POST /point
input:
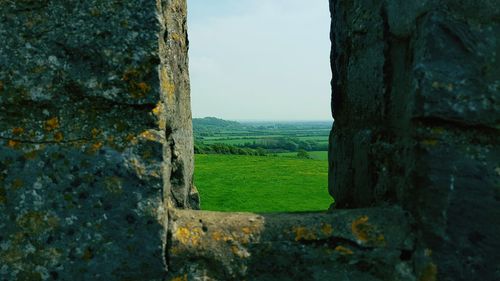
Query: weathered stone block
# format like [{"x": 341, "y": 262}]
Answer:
[
  {"x": 457, "y": 70},
  {"x": 457, "y": 200},
  {"x": 81, "y": 141},
  {"x": 363, "y": 244}
]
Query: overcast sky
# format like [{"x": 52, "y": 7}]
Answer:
[{"x": 260, "y": 59}]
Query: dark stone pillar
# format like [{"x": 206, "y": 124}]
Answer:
[
  {"x": 94, "y": 136},
  {"x": 416, "y": 108}
]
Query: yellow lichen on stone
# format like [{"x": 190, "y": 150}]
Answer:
[
  {"x": 167, "y": 87},
  {"x": 365, "y": 232},
  {"x": 247, "y": 230},
  {"x": 219, "y": 236},
  {"x": 162, "y": 123},
  {"x": 240, "y": 251},
  {"x": 158, "y": 109},
  {"x": 17, "y": 131},
  {"x": 131, "y": 138},
  {"x": 360, "y": 227},
  {"x": 234, "y": 249},
  {"x": 303, "y": 233},
  {"x": 170, "y": 90},
  {"x": 150, "y": 136},
  {"x": 155, "y": 174},
  {"x": 429, "y": 273},
  {"x": 180, "y": 278},
  {"x": 130, "y": 74},
  {"x": 58, "y": 136},
  {"x": 52, "y": 124},
  {"x": 343, "y": 250},
  {"x": 138, "y": 167},
  {"x": 176, "y": 37},
  {"x": 189, "y": 236},
  {"x": 13, "y": 144},
  {"x": 327, "y": 229},
  {"x": 95, "y": 147},
  {"x": 95, "y": 132},
  {"x": 144, "y": 87},
  {"x": 137, "y": 88}
]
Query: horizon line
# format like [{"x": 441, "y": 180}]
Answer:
[{"x": 267, "y": 120}]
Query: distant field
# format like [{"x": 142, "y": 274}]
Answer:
[
  {"x": 227, "y": 136},
  {"x": 231, "y": 141},
  {"x": 261, "y": 183},
  {"x": 318, "y": 155},
  {"x": 258, "y": 139}
]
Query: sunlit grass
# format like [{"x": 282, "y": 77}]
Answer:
[{"x": 261, "y": 183}]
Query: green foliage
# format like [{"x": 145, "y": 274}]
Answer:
[
  {"x": 318, "y": 155},
  {"x": 210, "y": 126},
  {"x": 274, "y": 137},
  {"x": 220, "y": 148},
  {"x": 261, "y": 184},
  {"x": 303, "y": 154}
]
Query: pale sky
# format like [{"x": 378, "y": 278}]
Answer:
[{"x": 260, "y": 59}]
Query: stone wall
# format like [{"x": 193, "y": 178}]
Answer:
[
  {"x": 416, "y": 105},
  {"x": 96, "y": 149},
  {"x": 95, "y": 137},
  {"x": 363, "y": 244}
]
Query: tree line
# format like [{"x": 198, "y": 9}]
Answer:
[{"x": 262, "y": 147}]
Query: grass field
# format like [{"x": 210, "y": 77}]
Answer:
[
  {"x": 261, "y": 183},
  {"x": 246, "y": 139}
]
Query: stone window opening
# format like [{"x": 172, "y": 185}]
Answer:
[
  {"x": 274, "y": 70},
  {"x": 340, "y": 244}
]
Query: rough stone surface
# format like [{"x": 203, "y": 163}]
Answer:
[
  {"x": 178, "y": 150},
  {"x": 363, "y": 244},
  {"x": 88, "y": 127},
  {"x": 417, "y": 120}
]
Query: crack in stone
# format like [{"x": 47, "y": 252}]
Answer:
[{"x": 45, "y": 142}]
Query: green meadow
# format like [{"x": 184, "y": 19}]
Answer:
[{"x": 261, "y": 183}]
